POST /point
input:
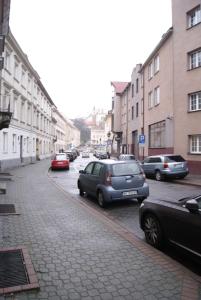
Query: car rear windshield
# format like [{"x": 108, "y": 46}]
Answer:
[
  {"x": 61, "y": 157},
  {"x": 126, "y": 169},
  {"x": 174, "y": 158}
]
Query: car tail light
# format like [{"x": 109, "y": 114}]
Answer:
[
  {"x": 143, "y": 175},
  {"x": 165, "y": 165},
  {"x": 108, "y": 179}
]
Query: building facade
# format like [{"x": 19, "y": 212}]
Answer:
[{"x": 162, "y": 102}]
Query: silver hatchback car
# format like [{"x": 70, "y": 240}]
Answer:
[
  {"x": 111, "y": 180},
  {"x": 165, "y": 166}
]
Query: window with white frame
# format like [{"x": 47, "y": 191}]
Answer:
[
  {"x": 194, "y": 16},
  {"x": 195, "y": 59},
  {"x": 195, "y": 144},
  {"x": 157, "y": 95},
  {"x": 34, "y": 146},
  {"x": 195, "y": 101},
  {"x": 150, "y": 70},
  {"x": 14, "y": 143},
  {"x": 16, "y": 70},
  {"x": 22, "y": 111},
  {"x": 27, "y": 144},
  {"x": 29, "y": 114},
  {"x": 29, "y": 84},
  {"x": 5, "y": 142},
  {"x": 157, "y": 135},
  {"x": 15, "y": 101},
  {"x": 7, "y": 60},
  {"x": 5, "y": 99},
  {"x": 150, "y": 100},
  {"x": 156, "y": 64},
  {"x": 23, "y": 78}
]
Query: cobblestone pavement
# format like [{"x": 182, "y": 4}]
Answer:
[{"x": 78, "y": 253}]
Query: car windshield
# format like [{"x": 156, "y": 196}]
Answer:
[
  {"x": 174, "y": 158},
  {"x": 60, "y": 157},
  {"x": 125, "y": 169}
]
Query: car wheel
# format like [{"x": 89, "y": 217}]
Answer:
[
  {"x": 141, "y": 199},
  {"x": 81, "y": 192},
  {"x": 153, "y": 231},
  {"x": 101, "y": 200},
  {"x": 158, "y": 176}
]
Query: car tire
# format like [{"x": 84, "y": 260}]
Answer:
[
  {"x": 81, "y": 192},
  {"x": 158, "y": 175},
  {"x": 141, "y": 199},
  {"x": 153, "y": 231},
  {"x": 101, "y": 200}
]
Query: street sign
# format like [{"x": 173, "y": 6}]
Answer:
[{"x": 141, "y": 139}]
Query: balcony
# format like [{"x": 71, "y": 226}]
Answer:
[{"x": 5, "y": 118}]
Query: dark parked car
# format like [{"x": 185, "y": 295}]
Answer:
[
  {"x": 112, "y": 180},
  {"x": 70, "y": 155},
  {"x": 102, "y": 155},
  {"x": 177, "y": 222},
  {"x": 165, "y": 166}
]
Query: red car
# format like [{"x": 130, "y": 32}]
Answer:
[{"x": 60, "y": 161}]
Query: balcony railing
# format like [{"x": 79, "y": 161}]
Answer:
[{"x": 5, "y": 117}]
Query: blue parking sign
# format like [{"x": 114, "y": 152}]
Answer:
[{"x": 141, "y": 139}]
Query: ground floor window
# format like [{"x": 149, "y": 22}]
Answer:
[
  {"x": 5, "y": 142},
  {"x": 195, "y": 144},
  {"x": 157, "y": 135}
]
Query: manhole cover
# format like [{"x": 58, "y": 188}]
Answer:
[
  {"x": 7, "y": 209},
  {"x": 12, "y": 269}
]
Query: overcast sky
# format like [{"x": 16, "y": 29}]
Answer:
[{"x": 79, "y": 46}]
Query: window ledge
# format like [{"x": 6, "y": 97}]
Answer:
[
  {"x": 192, "y": 153},
  {"x": 193, "y": 26},
  {"x": 193, "y": 111},
  {"x": 194, "y": 68}
]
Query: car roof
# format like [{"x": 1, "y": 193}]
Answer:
[
  {"x": 164, "y": 155},
  {"x": 113, "y": 161}
]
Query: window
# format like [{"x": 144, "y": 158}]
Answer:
[
  {"x": 195, "y": 101},
  {"x": 156, "y": 95},
  {"x": 27, "y": 145},
  {"x": 15, "y": 114},
  {"x": 132, "y": 90},
  {"x": 14, "y": 144},
  {"x": 156, "y": 64},
  {"x": 194, "y": 16},
  {"x": 16, "y": 70},
  {"x": 29, "y": 114},
  {"x": 157, "y": 135},
  {"x": 195, "y": 144},
  {"x": 137, "y": 109},
  {"x": 23, "y": 78},
  {"x": 150, "y": 100},
  {"x": 89, "y": 168},
  {"x": 29, "y": 84},
  {"x": 142, "y": 106},
  {"x": 195, "y": 59},
  {"x": 150, "y": 70},
  {"x": 7, "y": 61},
  {"x": 97, "y": 169},
  {"x": 137, "y": 85},
  {"x": 22, "y": 111},
  {"x": 5, "y": 142},
  {"x": 34, "y": 146},
  {"x": 132, "y": 112}
]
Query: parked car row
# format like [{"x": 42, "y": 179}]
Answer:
[
  {"x": 62, "y": 159},
  {"x": 162, "y": 221}
]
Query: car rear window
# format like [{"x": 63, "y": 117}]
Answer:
[
  {"x": 61, "y": 157},
  {"x": 174, "y": 158},
  {"x": 125, "y": 169}
]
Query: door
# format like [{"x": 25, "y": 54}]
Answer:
[
  {"x": 86, "y": 178},
  {"x": 135, "y": 143},
  {"x": 96, "y": 177}
]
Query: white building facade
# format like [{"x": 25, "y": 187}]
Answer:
[{"x": 29, "y": 136}]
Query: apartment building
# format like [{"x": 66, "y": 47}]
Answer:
[
  {"x": 168, "y": 102},
  {"x": 29, "y": 135},
  {"x": 186, "y": 16}
]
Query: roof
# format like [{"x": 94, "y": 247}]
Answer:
[
  {"x": 164, "y": 38},
  {"x": 120, "y": 86}
]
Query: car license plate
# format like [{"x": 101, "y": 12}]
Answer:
[
  {"x": 179, "y": 166},
  {"x": 60, "y": 163},
  {"x": 129, "y": 193}
]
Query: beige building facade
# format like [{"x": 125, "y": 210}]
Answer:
[{"x": 162, "y": 101}]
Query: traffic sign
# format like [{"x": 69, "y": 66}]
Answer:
[{"x": 142, "y": 139}]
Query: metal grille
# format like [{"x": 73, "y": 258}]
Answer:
[
  {"x": 7, "y": 209},
  {"x": 12, "y": 269}
]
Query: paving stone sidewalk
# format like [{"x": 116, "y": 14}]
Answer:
[{"x": 79, "y": 254}]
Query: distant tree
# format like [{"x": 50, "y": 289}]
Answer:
[{"x": 85, "y": 132}]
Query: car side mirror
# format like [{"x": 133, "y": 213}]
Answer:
[
  {"x": 192, "y": 206},
  {"x": 82, "y": 171}
]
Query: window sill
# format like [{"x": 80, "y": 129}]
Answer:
[
  {"x": 192, "y": 153},
  {"x": 194, "y": 68},
  {"x": 193, "y": 111},
  {"x": 193, "y": 26}
]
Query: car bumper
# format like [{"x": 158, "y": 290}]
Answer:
[
  {"x": 169, "y": 174},
  {"x": 111, "y": 195}
]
